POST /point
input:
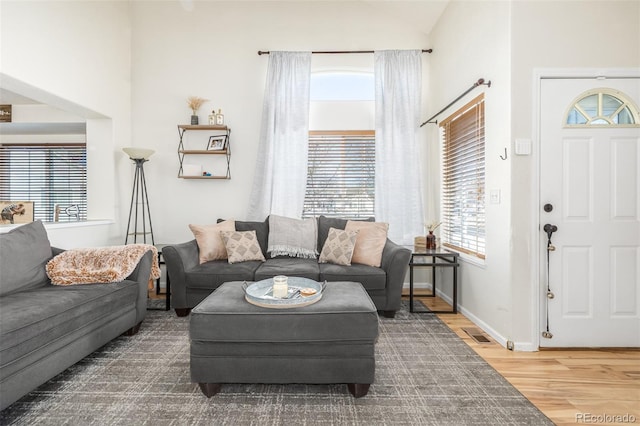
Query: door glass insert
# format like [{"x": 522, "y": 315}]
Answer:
[{"x": 602, "y": 107}]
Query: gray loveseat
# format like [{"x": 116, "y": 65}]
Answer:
[
  {"x": 44, "y": 329},
  {"x": 192, "y": 282}
]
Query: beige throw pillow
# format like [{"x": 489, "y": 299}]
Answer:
[
  {"x": 372, "y": 236},
  {"x": 338, "y": 248},
  {"x": 242, "y": 246},
  {"x": 210, "y": 242}
]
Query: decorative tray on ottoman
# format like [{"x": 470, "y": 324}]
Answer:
[{"x": 260, "y": 293}]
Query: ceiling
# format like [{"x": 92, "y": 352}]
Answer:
[{"x": 419, "y": 15}]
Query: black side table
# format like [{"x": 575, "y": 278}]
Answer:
[
  {"x": 434, "y": 259},
  {"x": 168, "y": 289}
]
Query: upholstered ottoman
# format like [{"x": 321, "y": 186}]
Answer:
[{"x": 331, "y": 341}]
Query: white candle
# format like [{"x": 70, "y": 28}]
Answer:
[{"x": 280, "y": 286}]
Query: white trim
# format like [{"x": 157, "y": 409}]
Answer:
[
  {"x": 499, "y": 338},
  {"x": 62, "y": 225},
  {"x": 540, "y": 74}
]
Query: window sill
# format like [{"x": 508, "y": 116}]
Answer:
[
  {"x": 467, "y": 258},
  {"x": 62, "y": 225}
]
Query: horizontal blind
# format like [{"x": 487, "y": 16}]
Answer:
[
  {"x": 341, "y": 174},
  {"x": 49, "y": 175},
  {"x": 463, "y": 182}
]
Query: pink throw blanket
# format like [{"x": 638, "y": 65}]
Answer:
[{"x": 99, "y": 265}]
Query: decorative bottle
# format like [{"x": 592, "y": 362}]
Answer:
[
  {"x": 220, "y": 118},
  {"x": 212, "y": 117},
  {"x": 431, "y": 241}
]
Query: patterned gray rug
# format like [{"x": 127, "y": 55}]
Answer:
[{"x": 425, "y": 375}]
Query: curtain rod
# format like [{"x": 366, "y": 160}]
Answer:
[
  {"x": 480, "y": 82},
  {"x": 334, "y": 52}
]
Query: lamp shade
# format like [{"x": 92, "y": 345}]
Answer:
[{"x": 138, "y": 153}]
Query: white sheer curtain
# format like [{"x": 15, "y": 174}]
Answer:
[
  {"x": 281, "y": 168},
  {"x": 398, "y": 189}
]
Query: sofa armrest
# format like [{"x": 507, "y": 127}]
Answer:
[
  {"x": 180, "y": 258},
  {"x": 141, "y": 275},
  {"x": 56, "y": 251},
  {"x": 395, "y": 261}
]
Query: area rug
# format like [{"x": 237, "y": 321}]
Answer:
[{"x": 425, "y": 375}]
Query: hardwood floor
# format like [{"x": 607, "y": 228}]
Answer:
[{"x": 568, "y": 386}]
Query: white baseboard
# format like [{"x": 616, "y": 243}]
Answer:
[{"x": 499, "y": 338}]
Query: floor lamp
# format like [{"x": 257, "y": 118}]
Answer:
[{"x": 139, "y": 198}]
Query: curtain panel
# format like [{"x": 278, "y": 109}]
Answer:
[
  {"x": 280, "y": 178},
  {"x": 398, "y": 188}
]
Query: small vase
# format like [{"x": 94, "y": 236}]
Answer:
[
  {"x": 194, "y": 119},
  {"x": 431, "y": 241}
]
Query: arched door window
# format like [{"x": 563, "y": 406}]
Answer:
[{"x": 602, "y": 107}]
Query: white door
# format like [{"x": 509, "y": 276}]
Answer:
[{"x": 589, "y": 190}]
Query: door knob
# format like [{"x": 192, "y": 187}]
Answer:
[{"x": 550, "y": 229}]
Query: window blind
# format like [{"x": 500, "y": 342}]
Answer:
[
  {"x": 341, "y": 174},
  {"x": 54, "y": 177},
  {"x": 463, "y": 181}
]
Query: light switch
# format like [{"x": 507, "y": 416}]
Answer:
[
  {"x": 494, "y": 196},
  {"x": 523, "y": 147}
]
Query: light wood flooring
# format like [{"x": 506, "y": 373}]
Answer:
[{"x": 566, "y": 385}]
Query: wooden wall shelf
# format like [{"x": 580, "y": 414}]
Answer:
[{"x": 220, "y": 132}]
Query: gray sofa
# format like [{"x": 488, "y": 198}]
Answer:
[
  {"x": 192, "y": 282},
  {"x": 44, "y": 329}
]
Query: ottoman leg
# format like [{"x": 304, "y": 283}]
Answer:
[
  {"x": 210, "y": 389},
  {"x": 358, "y": 390}
]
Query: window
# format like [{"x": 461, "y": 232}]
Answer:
[
  {"x": 54, "y": 177},
  {"x": 343, "y": 86},
  {"x": 602, "y": 107},
  {"x": 341, "y": 174},
  {"x": 463, "y": 192}
]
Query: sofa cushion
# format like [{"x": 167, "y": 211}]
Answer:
[
  {"x": 325, "y": 223},
  {"x": 338, "y": 248},
  {"x": 37, "y": 318},
  {"x": 210, "y": 244},
  {"x": 292, "y": 237},
  {"x": 210, "y": 275},
  {"x": 262, "y": 232},
  {"x": 370, "y": 242},
  {"x": 242, "y": 246},
  {"x": 292, "y": 267},
  {"x": 24, "y": 252},
  {"x": 370, "y": 277}
]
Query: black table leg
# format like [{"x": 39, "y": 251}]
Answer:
[{"x": 410, "y": 288}]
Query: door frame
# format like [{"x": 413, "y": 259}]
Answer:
[{"x": 537, "y": 291}]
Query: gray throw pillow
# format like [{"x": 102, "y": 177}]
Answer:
[{"x": 24, "y": 252}]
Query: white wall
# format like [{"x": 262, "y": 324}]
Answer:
[
  {"x": 212, "y": 52},
  {"x": 507, "y": 42},
  {"x": 471, "y": 41},
  {"x": 559, "y": 35},
  {"x": 76, "y": 56}
]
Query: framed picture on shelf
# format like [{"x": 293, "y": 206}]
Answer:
[
  {"x": 217, "y": 143},
  {"x": 16, "y": 212}
]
